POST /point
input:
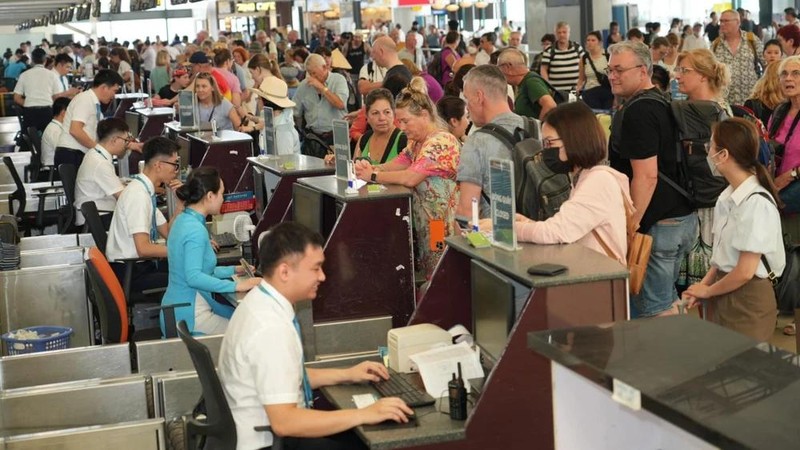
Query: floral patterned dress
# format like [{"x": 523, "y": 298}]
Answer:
[{"x": 435, "y": 198}]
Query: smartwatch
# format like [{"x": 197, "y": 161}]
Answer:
[{"x": 374, "y": 177}]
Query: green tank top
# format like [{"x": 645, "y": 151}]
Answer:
[{"x": 397, "y": 142}]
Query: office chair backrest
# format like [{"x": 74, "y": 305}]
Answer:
[
  {"x": 109, "y": 297},
  {"x": 19, "y": 194},
  {"x": 96, "y": 228},
  {"x": 219, "y": 427},
  {"x": 69, "y": 175}
]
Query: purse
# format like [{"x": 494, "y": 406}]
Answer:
[
  {"x": 639, "y": 248},
  {"x": 601, "y": 77}
]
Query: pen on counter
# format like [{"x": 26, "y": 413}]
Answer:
[{"x": 474, "y": 214}]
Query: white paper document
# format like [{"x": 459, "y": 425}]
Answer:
[{"x": 437, "y": 366}]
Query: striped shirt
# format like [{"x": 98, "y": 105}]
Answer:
[{"x": 563, "y": 66}]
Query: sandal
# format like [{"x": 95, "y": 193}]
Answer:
[{"x": 790, "y": 329}]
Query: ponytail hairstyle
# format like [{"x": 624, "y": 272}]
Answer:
[
  {"x": 415, "y": 97},
  {"x": 260, "y": 60},
  {"x": 200, "y": 182},
  {"x": 706, "y": 64},
  {"x": 740, "y": 138}
]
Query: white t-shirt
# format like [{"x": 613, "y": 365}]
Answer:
[
  {"x": 125, "y": 67},
  {"x": 62, "y": 82},
  {"x": 132, "y": 215},
  {"x": 38, "y": 86},
  {"x": 377, "y": 75},
  {"x": 96, "y": 182},
  {"x": 693, "y": 42},
  {"x": 85, "y": 107},
  {"x": 50, "y": 138},
  {"x": 149, "y": 58},
  {"x": 482, "y": 58},
  {"x": 254, "y": 374}
]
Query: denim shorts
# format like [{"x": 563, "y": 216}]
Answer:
[{"x": 672, "y": 240}]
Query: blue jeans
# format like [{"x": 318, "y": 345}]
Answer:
[
  {"x": 790, "y": 196},
  {"x": 672, "y": 240}
]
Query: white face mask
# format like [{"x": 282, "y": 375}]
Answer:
[
  {"x": 471, "y": 49},
  {"x": 712, "y": 165}
]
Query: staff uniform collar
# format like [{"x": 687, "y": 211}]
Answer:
[
  {"x": 286, "y": 308},
  {"x": 744, "y": 190},
  {"x": 103, "y": 152}
]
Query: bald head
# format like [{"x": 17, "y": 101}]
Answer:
[
  {"x": 385, "y": 43},
  {"x": 384, "y": 52}
]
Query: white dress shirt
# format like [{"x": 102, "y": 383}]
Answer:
[
  {"x": 96, "y": 182},
  {"x": 85, "y": 108},
  {"x": 50, "y": 137},
  {"x": 38, "y": 85},
  {"x": 62, "y": 82},
  {"x": 133, "y": 214}
]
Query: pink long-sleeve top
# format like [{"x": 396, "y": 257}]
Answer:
[{"x": 595, "y": 203}]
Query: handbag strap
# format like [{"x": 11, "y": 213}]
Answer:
[
  {"x": 770, "y": 274},
  {"x": 588, "y": 57},
  {"x": 630, "y": 228}
]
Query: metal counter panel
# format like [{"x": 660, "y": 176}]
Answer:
[
  {"x": 54, "y": 295},
  {"x": 176, "y": 394},
  {"x": 51, "y": 257},
  {"x": 84, "y": 363},
  {"x": 138, "y": 435},
  {"x": 167, "y": 355}
]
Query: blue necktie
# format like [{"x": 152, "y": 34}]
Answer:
[{"x": 153, "y": 227}]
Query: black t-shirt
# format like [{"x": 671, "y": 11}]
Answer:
[
  {"x": 355, "y": 56},
  {"x": 167, "y": 93},
  {"x": 397, "y": 79},
  {"x": 712, "y": 31},
  {"x": 647, "y": 131}
]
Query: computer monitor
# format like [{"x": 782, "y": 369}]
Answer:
[
  {"x": 132, "y": 119},
  {"x": 492, "y": 309},
  {"x": 307, "y": 207},
  {"x": 183, "y": 151}
]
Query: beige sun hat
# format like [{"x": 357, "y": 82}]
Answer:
[
  {"x": 275, "y": 90},
  {"x": 338, "y": 61}
]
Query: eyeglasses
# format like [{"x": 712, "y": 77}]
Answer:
[
  {"x": 793, "y": 74},
  {"x": 548, "y": 142},
  {"x": 176, "y": 164},
  {"x": 683, "y": 70},
  {"x": 619, "y": 71},
  {"x": 728, "y": 20}
]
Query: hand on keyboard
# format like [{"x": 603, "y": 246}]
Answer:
[{"x": 368, "y": 371}]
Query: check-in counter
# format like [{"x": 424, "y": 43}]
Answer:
[
  {"x": 168, "y": 355},
  {"x": 369, "y": 264},
  {"x": 228, "y": 152},
  {"x": 47, "y": 295},
  {"x": 515, "y": 409},
  {"x": 153, "y": 121},
  {"x": 51, "y": 257},
  {"x": 671, "y": 383},
  {"x": 126, "y": 101},
  {"x": 55, "y": 241},
  {"x": 133, "y": 435},
  {"x": 74, "y": 364},
  {"x": 273, "y": 178}
]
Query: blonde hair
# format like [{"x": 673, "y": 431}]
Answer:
[
  {"x": 162, "y": 58},
  {"x": 216, "y": 96},
  {"x": 706, "y": 64},
  {"x": 415, "y": 98},
  {"x": 411, "y": 67},
  {"x": 767, "y": 89}
]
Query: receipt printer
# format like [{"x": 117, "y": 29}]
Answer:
[{"x": 406, "y": 341}]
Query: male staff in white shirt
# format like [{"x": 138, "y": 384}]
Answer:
[
  {"x": 83, "y": 114},
  {"x": 97, "y": 182},
  {"x": 53, "y": 131},
  {"x": 35, "y": 91},
  {"x": 137, "y": 222},
  {"x": 267, "y": 384}
]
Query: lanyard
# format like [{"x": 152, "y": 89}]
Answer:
[
  {"x": 307, "y": 393},
  {"x": 104, "y": 157},
  {"x": 153, "y": 228}
]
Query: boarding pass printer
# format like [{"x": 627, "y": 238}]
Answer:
[{"x": 406, "y": 341}]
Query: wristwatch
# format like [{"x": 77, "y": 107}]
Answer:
[
  {"x": 374, "y": 177},
  {"x": 794, "y": 173}
]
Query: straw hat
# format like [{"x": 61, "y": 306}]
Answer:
[
  {"x": 276, "y": 91},
  {"x": 338, "y": 61}
]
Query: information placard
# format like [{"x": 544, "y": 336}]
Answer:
[
  {"x": 341, "y": 147},
  {"x": 501, "y": 178},
  {"x": 270, "y": 144},
  {"x": 186, "y": 109}
]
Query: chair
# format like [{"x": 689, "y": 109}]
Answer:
[
  {"x": 36, "y": 155},
  {"x": 30, "y": 220},
  {"x": 31, "y": 172},
  {"x": 218, "y": 427},
  {"x": 69, "y": 175},
  {"x": 112, "y": 308}
]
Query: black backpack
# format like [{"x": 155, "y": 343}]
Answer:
[
  {"x": 539, "y": 192},
  {"x": 692, "y": 120},
  {"x": 558, "y": 96}
]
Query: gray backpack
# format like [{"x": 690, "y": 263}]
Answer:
[{"x": 539, "y": 191}]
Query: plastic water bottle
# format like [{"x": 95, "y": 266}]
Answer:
[{"x": 675, "y": 92}]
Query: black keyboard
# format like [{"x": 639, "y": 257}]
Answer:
[
  {"x": 398, "y": 385},
  {"x": 226, "y": 240}
]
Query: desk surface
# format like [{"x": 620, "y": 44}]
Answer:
[
  {"x": 434, "y": 427},
  {"x": 334, "y": 187},
  {"x": 300, "y": 164},
  {"x": 225, "y": 136},
  {"x": 147, "y": 112},
  {"x": 710, "y": 381},
  {"x": 176, "y": 127},
  {"x": 584, "y": 265},
  {"x": 131, "y": 95}
]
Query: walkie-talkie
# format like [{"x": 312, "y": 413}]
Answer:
[{"x": 458, "y": 397}]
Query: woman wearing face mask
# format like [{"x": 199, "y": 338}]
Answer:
[
  {"x": 594, "y": 215},
  {"x": 747, "y": 232},
  {"x": 469, "y": 57}
]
